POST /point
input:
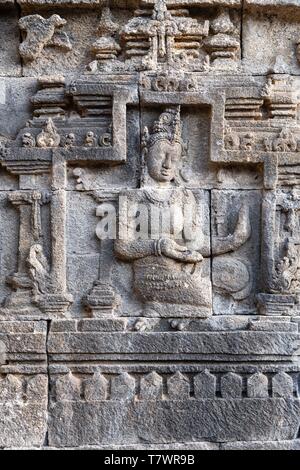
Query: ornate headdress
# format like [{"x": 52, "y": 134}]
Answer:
[{"x": 167, "y": 127}]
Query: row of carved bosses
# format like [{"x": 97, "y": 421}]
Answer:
[{"x": 152, "y": 386}]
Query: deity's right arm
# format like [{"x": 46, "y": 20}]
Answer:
[
  {"x": 130, "y": 244},
  {"x": 130, "y": 250}
]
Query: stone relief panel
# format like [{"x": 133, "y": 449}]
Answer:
[{"x": 149, "y": 205}]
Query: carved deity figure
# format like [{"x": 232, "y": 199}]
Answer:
[{"x": 164, "y": 230}]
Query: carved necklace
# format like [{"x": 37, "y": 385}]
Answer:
[{"x": 153, "y": 196}]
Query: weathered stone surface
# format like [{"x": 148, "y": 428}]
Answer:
[
  {"x": 246, "y": 344},
  {"x": 10, "y": 63},
  {"x": 178, "y": 387},
  {"x": 257, "y": 386},
  {"x": 123, "y": 387},
  {"x": 23, "y": 410},
  {"x": 150, "y": 221},
  {"x": 272, "y": 445},
  {"x": 205, "y": 385},
  {"x": 282, "y": 385},
  {"x": 231, "y": 386},
  {"x": 160, "y": 421}
]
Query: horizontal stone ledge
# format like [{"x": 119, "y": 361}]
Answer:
[
  {"x": 196, "y": 3},
  {"x": 294, "y": 444},
  {"x": 162, "y": 357},
  {"x": 27, "y": 357},
  {"x": 23, "y": 327},
  {"x": 78, "y": 3},
  {"x": 158, "y": 446},
  {"x": 132, "y": 4},
  {"x": 230, "y": 343},
  {"x": 25, "y": 343},
  {"x": 129, "y": 4},
  {"x": 215, "y": 323},
  {"x": 25, "y": 369},
  {"x": 169, "y": 368},
  {"x": 25, "y": 340},
  {"x": 269, "y": 4}
]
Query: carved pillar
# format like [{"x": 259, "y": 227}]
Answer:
[
  {"x": 28, "y": 203},
  {"x": 57, "y": 300},
  {"x": 102, "y": 300},
  {"x": 280, "y": 253},
  {"x": 58, "y": 224}
]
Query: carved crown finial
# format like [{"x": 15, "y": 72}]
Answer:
[
  {"x": 168, "y": 126},
  {"x": 107, "y": 25},
  {"x": 160, "y": 11}
]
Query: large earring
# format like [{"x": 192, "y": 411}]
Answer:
[{"x": 144, "y": 169}]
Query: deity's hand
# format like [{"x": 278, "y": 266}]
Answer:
[
  {"x": 233, "y": 241},
  {"x": 171, "y": 249},
  {"x": 243, "y": 228}
]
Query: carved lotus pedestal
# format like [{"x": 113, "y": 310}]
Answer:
[
  {"x": 102, "y": 300},
  {"x": 54, "y": 305}
]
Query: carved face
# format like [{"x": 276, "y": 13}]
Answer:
[{"x": 163, "y": 160}]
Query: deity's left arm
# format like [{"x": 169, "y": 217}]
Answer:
[{"x": 232, "y": 242}]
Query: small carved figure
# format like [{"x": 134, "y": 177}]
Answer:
[
  {"x": 105, "y": 140},
  {"x": 231, "y": 140},
  {"x": 41, "y": 32},
  {"x": 247, "y": 142},
  {"x": 49, "y": 136},
  {"x": 70, "y": 140},
  {"x": 28, "y": 140},
  {"x": 285, "y": 142},
  {"x": 267, "y": 143},
  {"x": 90, "y": 139},
  {"x": 78, "y": 173}
]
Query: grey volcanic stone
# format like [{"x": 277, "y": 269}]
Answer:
[
  {"x": 149, "y": 235},
  {"x": 160, "y": 421}
]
